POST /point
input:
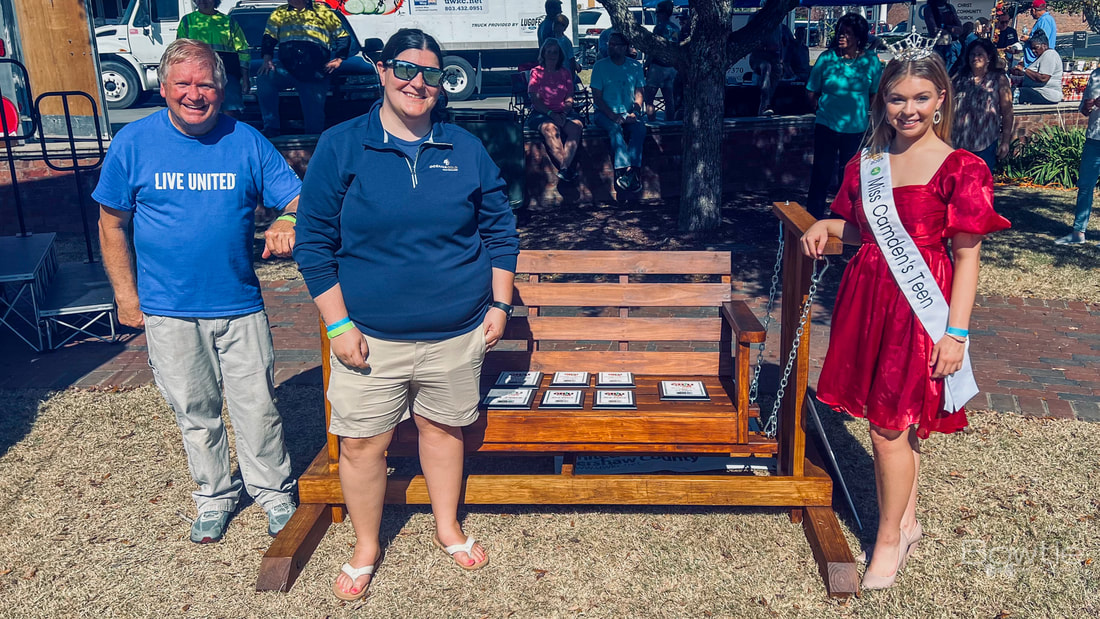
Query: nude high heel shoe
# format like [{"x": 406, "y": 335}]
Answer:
[
  {"x": 918, "y": 532},
  {"x": 872, "y": 582}
]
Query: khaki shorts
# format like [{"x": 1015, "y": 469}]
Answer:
[{"x": 438, "y": 380}]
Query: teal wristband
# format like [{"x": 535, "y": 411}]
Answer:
[
  {"x": 344, "y": 328},
  {"x": 957, "y": 332},
  {"x": 339, "y": 323}
]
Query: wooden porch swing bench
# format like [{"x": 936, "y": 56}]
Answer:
[{"x": 646, "y": 301}]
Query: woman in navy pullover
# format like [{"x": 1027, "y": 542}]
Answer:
[{"x": 408, "y": 246}]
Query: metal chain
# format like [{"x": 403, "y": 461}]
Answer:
[
  {"x": 754, "y": 386},
  {"x": 771, "y": 428}
]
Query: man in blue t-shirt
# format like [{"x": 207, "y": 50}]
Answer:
[
  {"x": 1044, "y": 22},
  {"x": 190, "y": 178},
  {"x": 617, "y": 83}
]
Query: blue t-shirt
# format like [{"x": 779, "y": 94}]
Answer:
[
  {"x": 617, "y": 82},
  {"x": 1047, "y": 25},
  {"x": 844, "y": 87},
  {"x": 193, "y": 200}
]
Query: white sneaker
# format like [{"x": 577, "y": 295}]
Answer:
[{"x": 1073, "y": 238}]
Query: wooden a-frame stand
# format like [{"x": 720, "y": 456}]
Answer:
[{"x": 718, "y": 427}]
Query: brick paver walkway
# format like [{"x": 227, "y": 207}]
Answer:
[{"x": 1031, "y": 356}]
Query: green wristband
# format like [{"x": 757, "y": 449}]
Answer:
[
  {"x": 289, "y": 217},
  {"x": 332, "y": 333}
]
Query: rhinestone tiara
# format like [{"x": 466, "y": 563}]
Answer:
[{"x": 912, "y": 47}]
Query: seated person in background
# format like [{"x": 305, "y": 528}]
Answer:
[
  {"x": 617, "y": 83},
  {"x": 661, "y": 76},
  {"x": 767, "y": 63},
  {"x": 1042, "y": 79},
  {"x": 551, "y": 90},
  {"x": 304, "y": 42}
]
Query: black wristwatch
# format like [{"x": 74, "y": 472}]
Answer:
[{"x": 504, "y": 307}]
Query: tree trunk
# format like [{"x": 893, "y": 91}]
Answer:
[{"x": 701, "y": 199}]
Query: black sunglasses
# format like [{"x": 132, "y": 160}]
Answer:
[{"x": 406, "y": 71}]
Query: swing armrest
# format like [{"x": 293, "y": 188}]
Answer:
[{"x": 746, "y": 327}]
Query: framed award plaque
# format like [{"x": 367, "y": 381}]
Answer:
[
  {"x": 562, "y": 398},
  {"x": 577, "y": 380},
  {"x": 619, "y": 380},
  {"x": 614, "y": 399},
  {"x": 519, "y": 379},
  {"x": 683, "y": 390},
  {"x": 509, "y": 398}
]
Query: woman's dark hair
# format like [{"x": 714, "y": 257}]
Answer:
[
  {"x": 857, "y": 25},
  {"x": 410, "y": 38},
  {"x": 996, "y": 63},
  {"x": 1039, "y": 38}
]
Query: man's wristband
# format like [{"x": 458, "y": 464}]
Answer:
[{"x": 291, "y": 217}]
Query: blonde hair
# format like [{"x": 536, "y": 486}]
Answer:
[
  {"x": 931, "y": 68},
  {"x": 190, "y": 50}
]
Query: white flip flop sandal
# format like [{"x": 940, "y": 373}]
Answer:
[
  {"x": 466, "y": 548},
  {"x": 354, "y": 573}
]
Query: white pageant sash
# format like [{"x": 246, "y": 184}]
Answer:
[{"x": 909, "y": 269}]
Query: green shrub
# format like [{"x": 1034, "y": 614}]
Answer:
[{"x": 1047, "y": 157}]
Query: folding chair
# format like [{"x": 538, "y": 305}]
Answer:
[
  {"x": 582, "y": 102},
  {"x": 520, "y": 102}
]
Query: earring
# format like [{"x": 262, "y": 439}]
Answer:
[{"x": 937, "y": 117}]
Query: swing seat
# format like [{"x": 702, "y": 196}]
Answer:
[{"x": 659, "y": 315}]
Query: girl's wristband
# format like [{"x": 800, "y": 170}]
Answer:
[{"x": 963, "y": 333}]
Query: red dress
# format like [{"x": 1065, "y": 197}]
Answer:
[{"x": 878, "y": 361}]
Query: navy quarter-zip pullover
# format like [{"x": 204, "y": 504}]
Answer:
[{"x": 412, "y": 242}]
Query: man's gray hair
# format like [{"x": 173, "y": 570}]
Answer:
[
  {"x": 1039, "y": 38},
  {"x": 190, "y": 50}
]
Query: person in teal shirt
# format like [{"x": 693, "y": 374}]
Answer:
[{"x": 841, "y": 84}]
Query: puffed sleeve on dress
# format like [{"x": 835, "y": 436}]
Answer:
[
  {"x": 967, "y": 188},
  {"x": 844, "y": 204}
]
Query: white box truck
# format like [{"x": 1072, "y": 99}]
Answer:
[{"x": 476, "y": 34}]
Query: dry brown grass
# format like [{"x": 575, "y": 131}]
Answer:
[{"x": 93, "y": 483}]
